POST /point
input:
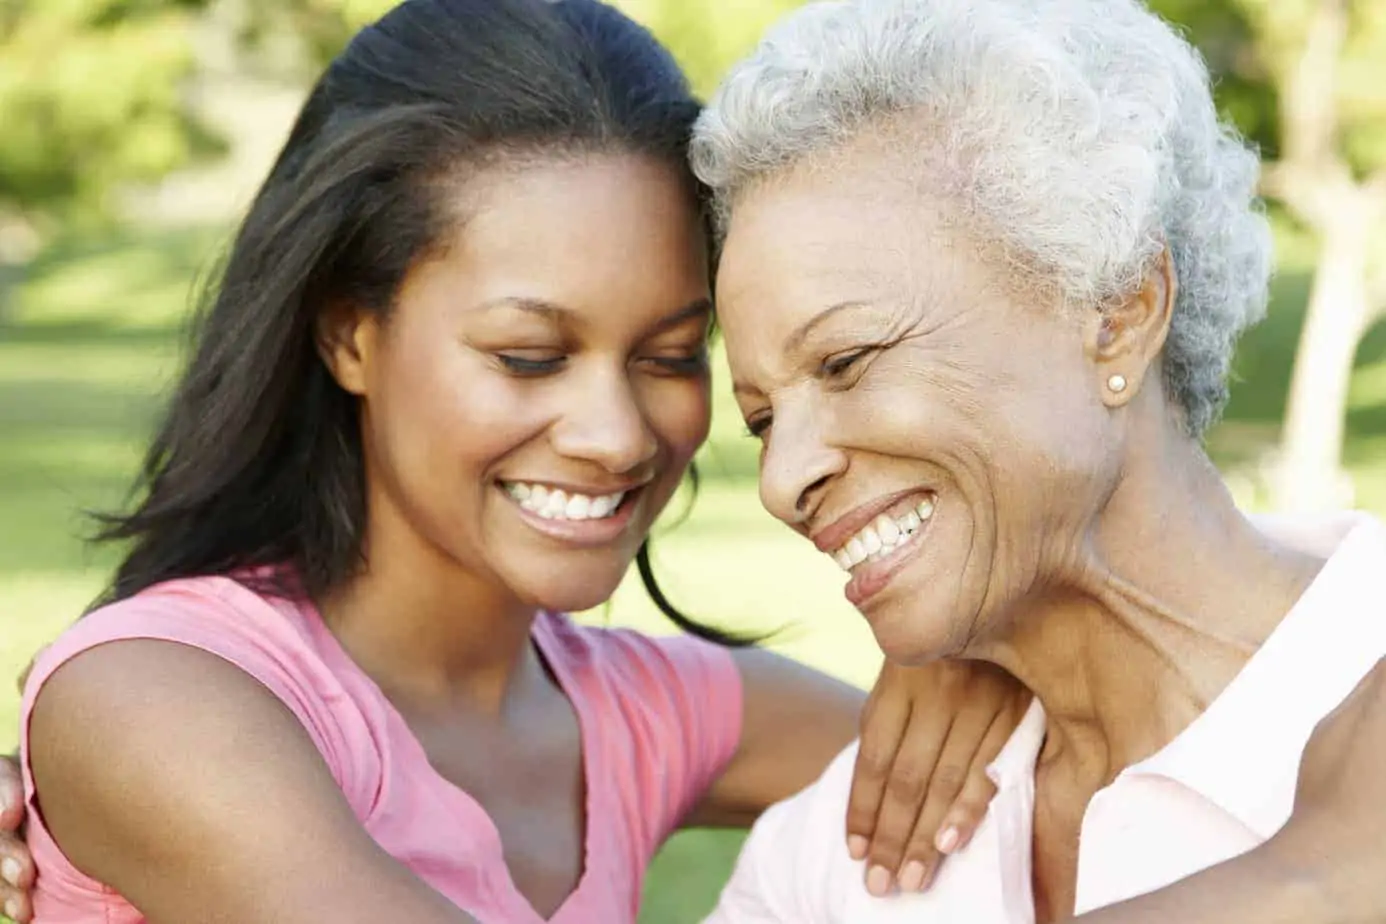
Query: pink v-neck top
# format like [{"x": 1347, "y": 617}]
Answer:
[{"x": 659, "y": 718}]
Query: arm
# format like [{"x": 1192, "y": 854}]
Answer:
[
  {"x": 147, "y": 789},
  {"x": 928, "y": 734},
  {"x": 1324, "y": 866}
]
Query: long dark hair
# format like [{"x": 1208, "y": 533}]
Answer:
[{"x": 258, "y": 461}]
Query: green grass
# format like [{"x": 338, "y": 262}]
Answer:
[{"x": 93, "y": 334}]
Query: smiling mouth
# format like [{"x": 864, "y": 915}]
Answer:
[
  {"x": 889, "y": 533},
  {"x": 557, "y": 504}
]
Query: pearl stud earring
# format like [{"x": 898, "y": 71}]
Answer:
[{"x": 1117, "y": 383}]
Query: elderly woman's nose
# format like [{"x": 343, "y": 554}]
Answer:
[{"x": 798, "y": 463}]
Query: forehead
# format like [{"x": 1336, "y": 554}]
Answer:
[
  {"x": 614, "y": 233},
  {"x": 855, "y": 230}
]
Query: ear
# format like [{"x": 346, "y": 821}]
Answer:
[
  {"x": 1125, "y": 339},
  {"x": 346, "y": 338}
]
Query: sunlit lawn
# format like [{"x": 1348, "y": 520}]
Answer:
[{"x": 92, "y": 337}]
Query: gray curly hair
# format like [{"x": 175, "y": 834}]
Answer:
[{"x": 1085, "y": 131}]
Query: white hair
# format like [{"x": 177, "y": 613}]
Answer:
[{"x": 1084, "y": 132}]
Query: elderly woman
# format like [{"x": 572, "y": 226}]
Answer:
[{"x": 984, "y": 265}]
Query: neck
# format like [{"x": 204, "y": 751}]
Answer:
[
  {"x": 1174, "y": 592},
  {"x": 431, "y": 635}
]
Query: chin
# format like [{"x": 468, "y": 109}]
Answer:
[
  {"x": 914, "y": 641},
  {"x": 562, "y": 592},
  {"x": 917, "y": 625}
]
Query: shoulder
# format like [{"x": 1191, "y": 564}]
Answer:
[
  {"x": 671, "y": 707},
  {"x": 212, "y": 612},
  {"x": 795, "y": 865},
  {"x": 174, "y": 778},
  {"x": 215, "y": 622}
]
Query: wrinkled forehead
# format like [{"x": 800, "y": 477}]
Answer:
[{"x": 807, "y": 239}]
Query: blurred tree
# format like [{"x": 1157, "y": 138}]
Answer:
[
  {"x": 90, "y": 96},
  {"x": 1328, "y": 59},
  {"x": 1306, "y": 79},
  {"x": 707, "y": 37}
]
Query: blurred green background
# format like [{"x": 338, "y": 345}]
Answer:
[{"x": 132, "y": 133}]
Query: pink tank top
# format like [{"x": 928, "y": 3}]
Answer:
[{"x": 660, "y": 718}]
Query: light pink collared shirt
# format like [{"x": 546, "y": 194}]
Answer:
[{"x": 1219, "y": 789}]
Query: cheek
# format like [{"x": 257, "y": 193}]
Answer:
[
  {"x": 443, "y": 413},
  {"x": 915, "y": 405},
  {"x": 680, "y": 413}
]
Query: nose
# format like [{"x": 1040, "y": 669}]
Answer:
[
  {"x": 798, "y": 463},
  {"x": 606, "y": 424}
]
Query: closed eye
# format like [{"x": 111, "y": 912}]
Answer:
[
  {"x": 687, "y": 365},
  {"x": 757, "y": 427},
  {"x": 841, "y": 363},
  {"x": 529, "y": 367}
]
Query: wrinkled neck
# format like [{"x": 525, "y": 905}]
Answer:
[{"x": 1173, "y": 591}]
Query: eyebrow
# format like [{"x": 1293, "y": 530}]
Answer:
[
  {"x": 698, "y": 308},
  {"x": 795, "y": 341},
  {"x": 547, "y": 310},
  {"x": 555, "y": 313},
  {"x": 796, "y": 338}
]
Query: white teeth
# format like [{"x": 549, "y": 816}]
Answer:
[
  {"x": 556, "y": 504},
  {"x": 578, "y": 507},
  {"x": 556, "y": 507},
  {"x": 856, "y": 551},
  {"x": 872, "y": 541},
  {"x": 883, "y": 535}
]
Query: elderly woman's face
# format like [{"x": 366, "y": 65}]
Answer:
[{"x": 942, "y": 437}]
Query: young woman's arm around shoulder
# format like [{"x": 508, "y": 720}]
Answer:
[
  {"x": 138, "y": 754},
  {"x": 927, "y": 735}
]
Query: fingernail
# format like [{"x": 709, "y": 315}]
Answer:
[
  {"x": 912, "y": 878},
  {"x": 878, "y": 881},
  {"x": 856, "y": 846},
  {"x": 948, "y": 838},
  {"x": 11, "y": 908},
  {"x": 9, "y": 869}
]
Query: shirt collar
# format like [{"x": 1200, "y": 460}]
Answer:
[{"x": 1243, "y": 752}]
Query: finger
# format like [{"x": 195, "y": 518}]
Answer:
[
  {"x": 11, "y": 795},
  {"x": 956, "y": 766},
  {"x": 883, "y": 727},
  {"x": 16, "y": 905},
  {"x": 16, "y": 865},
  {"x": 962, "y": 819},
  {"x": 905, "y": 792}
]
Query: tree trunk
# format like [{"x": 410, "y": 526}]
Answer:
[{"x": 1309, "y": 475}]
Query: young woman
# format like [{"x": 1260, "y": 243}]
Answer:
[{"x": 455, "y": 367}]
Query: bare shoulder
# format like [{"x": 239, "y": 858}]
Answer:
[{"x": 175, "y": 777}]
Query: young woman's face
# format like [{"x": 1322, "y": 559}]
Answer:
[{"x": 539, "y": 389}]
